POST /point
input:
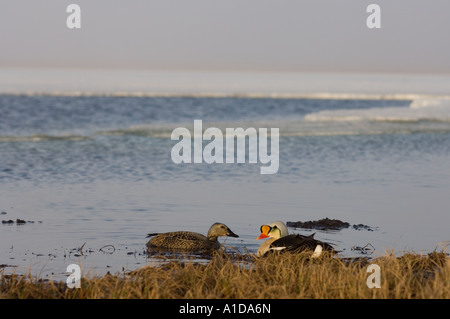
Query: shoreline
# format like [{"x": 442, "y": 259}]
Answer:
[
  {"x": 198, "y": 83},
  {"x": 311, "y": 96},
  {"x": 279, "y": 276}
]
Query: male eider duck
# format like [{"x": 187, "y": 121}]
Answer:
[
  {"x": 189, "y": 241},
  {"x": 280, "y": 240}
]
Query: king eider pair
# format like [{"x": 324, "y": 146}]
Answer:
[{"x": 280, "y": 240}]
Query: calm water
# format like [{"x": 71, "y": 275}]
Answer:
[{"x": 97, "y": 171}]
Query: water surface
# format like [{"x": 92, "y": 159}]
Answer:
[{"x": 97, "y": 171}]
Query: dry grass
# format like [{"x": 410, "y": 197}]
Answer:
[{"x": 277, "y": 276}]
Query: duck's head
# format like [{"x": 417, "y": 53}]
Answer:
[
  {"x": 274, "y": 230},
  {"x": 219, "y": 229}
]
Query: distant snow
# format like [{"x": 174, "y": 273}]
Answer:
[{"x": 148, "y": 83}]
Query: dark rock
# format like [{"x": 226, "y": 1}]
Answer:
[
  {"x": 322, "y": 224},
  {"x": 363, "y": 227},
  {"x": 328, "y": 224}
]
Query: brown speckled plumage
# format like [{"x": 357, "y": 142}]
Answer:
[{"x": 189, "y": 241}]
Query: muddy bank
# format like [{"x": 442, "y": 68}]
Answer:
[
  {"x": 18, "y": 221},
  {"x": 328, "y": 224}
]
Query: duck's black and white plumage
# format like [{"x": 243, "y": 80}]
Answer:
[
  {"x": 189, "y": 241},
  {"x": 280, "y": 240}
]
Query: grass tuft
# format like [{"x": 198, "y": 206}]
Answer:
[{"x": 245, "y": 277}]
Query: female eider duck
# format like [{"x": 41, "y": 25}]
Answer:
[
  {"x": 280, "y": 240},
  {"x": 189, "y": 241}
]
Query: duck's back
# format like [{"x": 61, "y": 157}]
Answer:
[
  {"x": 298, "y": 243},
  {"x": 182, "y": 240}
]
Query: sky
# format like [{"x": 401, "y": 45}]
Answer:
[{"x": 250, "y": 35}]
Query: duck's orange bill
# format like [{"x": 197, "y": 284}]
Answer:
[
  {"x": 265, "y": 229},
  {"x": 262, "y": 236}
]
